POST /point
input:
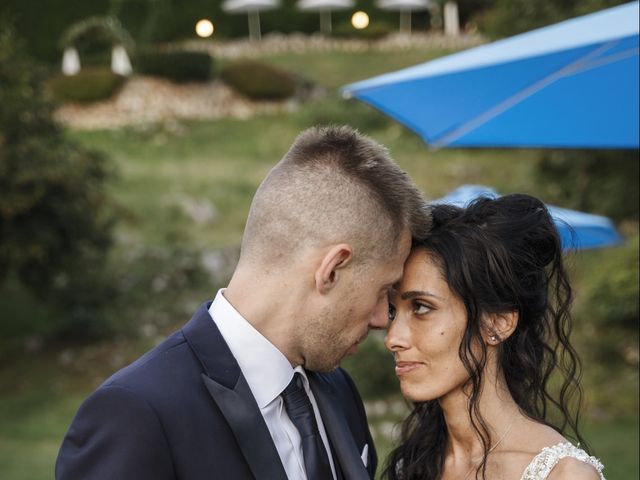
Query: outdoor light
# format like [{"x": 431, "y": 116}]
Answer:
[
  {"x": 360, "y": 20},
  {"x": 204, "y": 28}
]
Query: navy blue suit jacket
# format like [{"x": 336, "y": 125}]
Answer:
[{"x": 184, "y": 411}]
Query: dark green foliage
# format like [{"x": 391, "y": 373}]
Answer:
[
  {"x": 606, "y": 320},
  {"x": 504, "y": 18},
  {"x": 259, "y": 81},
  {"x": 95, "y": 34},
  {"x": 597, "y": 181},
  {"x": 89, "y": 85},
  {"x": 55, "y": 228},
  {"x": 374, "y": 31},
  {"x": 372, "y": 368},
  {"x": 177, "y": 66},
  {"x": 43, "y": 22}
]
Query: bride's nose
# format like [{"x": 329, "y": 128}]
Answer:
[{"x": 398, "y": 335}]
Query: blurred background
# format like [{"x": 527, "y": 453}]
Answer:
[{"x": 130, "y": 148}]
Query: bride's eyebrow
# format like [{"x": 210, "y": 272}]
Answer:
[{"x": 410, "y": 295}]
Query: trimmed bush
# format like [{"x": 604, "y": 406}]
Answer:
[
  {"x": 89, "y": 85},
  {"x": 259, "y": 81},
  {"x": 374, "y": 31},
  {"x": 177, "y": 66}
]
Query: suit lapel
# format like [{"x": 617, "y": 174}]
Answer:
[
  {"x": 229, "y": 389},
  {"x": 337, "y": 429}
]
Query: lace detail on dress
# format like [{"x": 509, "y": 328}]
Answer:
[{"x": 542, "y": 464}]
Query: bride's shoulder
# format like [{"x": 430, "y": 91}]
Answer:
[
  {"x": 570, "y": 468},
  {"x": 563, "y": 461}
]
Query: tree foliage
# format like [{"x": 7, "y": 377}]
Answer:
[
  {"x": 503, "y": 18},
  {"x": 597, "y": 181},
  {"x": 55, "y": 226}
]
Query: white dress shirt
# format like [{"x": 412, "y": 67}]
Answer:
[{"x": 268, "y": 372}]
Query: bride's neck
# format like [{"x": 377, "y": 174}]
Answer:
[{"x": 496, "y": 406}]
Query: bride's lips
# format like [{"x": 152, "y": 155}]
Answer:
[{"x": 403, "y": 368}]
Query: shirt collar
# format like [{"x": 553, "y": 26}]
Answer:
[{"x": 266, "y": 369}]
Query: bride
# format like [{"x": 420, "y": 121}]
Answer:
[{"x": 479, "y": 330}]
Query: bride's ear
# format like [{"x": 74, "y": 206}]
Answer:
[{"x": 498, "y": 327}]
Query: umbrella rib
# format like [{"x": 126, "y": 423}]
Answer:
[
  {"x": 632, "y": 52},
  {"x": 506, "y": 104}
]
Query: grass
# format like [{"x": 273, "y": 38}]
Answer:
[
  {"x": 334, "y": 69},
  {"x": 221, "y": 162}
]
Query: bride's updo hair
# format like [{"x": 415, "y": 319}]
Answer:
[{"x": 500, "y": 256}]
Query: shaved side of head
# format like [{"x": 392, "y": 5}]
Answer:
[{"x": 334, "y": 185}]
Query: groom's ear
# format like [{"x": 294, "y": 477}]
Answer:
[
  {"x": 499, "y": 326},
  {"x": 331, "y": 265}
]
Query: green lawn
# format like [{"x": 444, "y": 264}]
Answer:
[{"x": 221, "y": 162}]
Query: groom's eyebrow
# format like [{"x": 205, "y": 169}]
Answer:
[{"x": 410, "y": 295}]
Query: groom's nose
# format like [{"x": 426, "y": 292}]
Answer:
[{"x": 380, "y": 317}]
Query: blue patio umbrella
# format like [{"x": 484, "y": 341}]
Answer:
[
  {"x": 573, "y": 84},
  {"x": 577, "y": 230}
]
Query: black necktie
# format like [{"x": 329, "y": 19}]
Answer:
[{"x": 300, "y": 411}]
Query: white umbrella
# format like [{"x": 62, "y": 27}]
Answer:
[
  {"x": 253, "y": 9},
  {"x": 405, "y": 7},
  {"x": 325, "y": 7}
]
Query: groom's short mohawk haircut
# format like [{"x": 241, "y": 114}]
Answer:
[{"x": 334, "y": 185}]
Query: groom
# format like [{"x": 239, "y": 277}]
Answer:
[{"x": 250, "y": 388}]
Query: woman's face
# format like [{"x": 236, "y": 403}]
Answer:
[{"x": 426, "y": 332}]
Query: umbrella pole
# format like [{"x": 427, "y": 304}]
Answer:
[
  {"x": 405, "y": 21},
  {"x": 325, "y": 22},
  {"x": 254, "y": 25}
]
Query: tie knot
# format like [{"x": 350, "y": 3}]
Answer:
[{"x": 298, "y": 406}]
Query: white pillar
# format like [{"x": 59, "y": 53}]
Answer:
[
  {"x": 70, "y": 61},
  {"x": 120, "y": 62},
  {"x": 451, "y": 20},
  {"x": 254, "y": 25}
]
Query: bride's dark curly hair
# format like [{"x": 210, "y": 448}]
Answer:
[{"x": 500, "y": 255}]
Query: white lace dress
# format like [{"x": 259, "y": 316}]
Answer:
[{"x": 542, "y": 464}]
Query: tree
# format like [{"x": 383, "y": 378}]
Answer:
[
  {"x": 55, "y": 225},
  {"x": 504, "y": 18}
]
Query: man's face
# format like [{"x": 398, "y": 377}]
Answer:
[{"x": 361, "y": 302}]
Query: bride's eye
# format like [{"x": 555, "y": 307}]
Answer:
[
  {"x": 392, "y": 312},
  {"x": 420, "y": 308}
]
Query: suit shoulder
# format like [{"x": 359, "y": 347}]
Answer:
[{"x": 149, "y": 362}]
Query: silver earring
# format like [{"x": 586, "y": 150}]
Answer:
[{"x": 493, "y": 338}]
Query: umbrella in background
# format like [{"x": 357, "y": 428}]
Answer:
[
  {"x": 573, "y": 84},
  {"x": 252, "y": 8},
  {"x": 405, "y": 7},
  {"x": 577, "y": 230},
  {"x": 325, "y": 7}
]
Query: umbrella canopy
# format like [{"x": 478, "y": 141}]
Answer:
[
  {"x": 577, "y": 230},
  {"x": 405, "y": 7},
  {"x": 252, "y": 8},
  {"x": 573, "y": 84},
  {"x": 325, "y": 7}
]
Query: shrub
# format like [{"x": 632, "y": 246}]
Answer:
[
  {"x": 372, "y": 369},
  {"x": 375, "y": 30},
  {"x": 606, "y": 321},
  {"x": 55, "y": 220},
  {"x": 89, "y": 85},
  {"x": 177, "y": 66},
  {"x": 259, "y": 81},
  {"x": 597, "y": 181}
]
